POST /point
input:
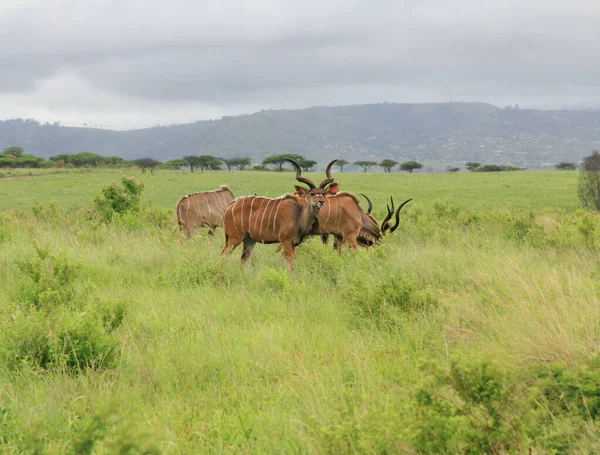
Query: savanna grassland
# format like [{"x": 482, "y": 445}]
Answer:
[{"x": 473, "y": 328}]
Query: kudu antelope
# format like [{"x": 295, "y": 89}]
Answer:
[
  {"x": 203, "y": 210},
  {"x": 342, "y": 216},
  {"x": 331, "y": 190},
  {"x": 286, "y": 219}
]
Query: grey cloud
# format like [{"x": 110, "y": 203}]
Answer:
[{"x": 271, "y": 52}]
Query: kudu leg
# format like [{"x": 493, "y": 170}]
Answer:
[
  {"x": 337, "y": 243},
  {"x": 248, "y": 249},
  {"x": 350, "y": 238},
  {"x": 288, "y": 253},
  {"x": 231, "y": 242}
]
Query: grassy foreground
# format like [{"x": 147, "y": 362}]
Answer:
[{"x": 472, "y": 329}]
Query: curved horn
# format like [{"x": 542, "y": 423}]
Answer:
[
  {"x": 392, "y": 229},
  {"x": 389, "y": 214},
  {"x": 369, "y": 201},
  {"x": 329, "y": 178},
  {"x": 299, "y": 174}
]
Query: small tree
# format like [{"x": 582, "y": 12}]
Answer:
[
  {"x": 306, "y": 164},
  {"x": 240, "y": 163},
  {"x": 227, "y": 162},
  {"x": 366, "y": 165},
  {"x": 209, "y": 162},
  {"x": 146, "y": 163},
  {"x": 388, "y": 164},
  {"x": 176, "y": 164},
  {"x": 410, "y": 166},
  {"x": 193, "y": 161},
  {"x": 14, "y": 151},
  {"x": 471, "y": 166},
  {"x": 341, "y": 164},
  {"x": 453, "y": 169},
  {"x": 565, "y": 166},
  {"x": 589, "y": 181},
  {"x": 279, "y": 160}
]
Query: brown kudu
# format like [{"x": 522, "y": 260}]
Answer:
[
  {"x": 286, "y": 219},
  {"x": 342, "y": 216},
  {"x": 204, "y": 209}
]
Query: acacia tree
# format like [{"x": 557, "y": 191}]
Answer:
[
  {"x": 227, "y": 162},
  {"x": 193, "y": 161},
  {"x": 176, "y": 164},
  {"x": 341, "y": 164},
  {"x": 410, "y": 166},
  {"x": 240, "y": 163},
  {"x": 589, "y": 181},
  {"x": 471, "y": 166},
  {"x": 565, "y": 166},
  {"x": 146, "y": 163},
  {"x": 306, "y": 164},
  {"x": 279, "y": 160},
  {"x": 388, "y": 164},
  {"x": 366, "y": 165},
  {"x": 208, "y": 162}
]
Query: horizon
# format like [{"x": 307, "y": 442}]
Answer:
[{"x": 168, "y": 124}]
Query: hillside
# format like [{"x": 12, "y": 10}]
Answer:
[{"x": 435, "y": 134}]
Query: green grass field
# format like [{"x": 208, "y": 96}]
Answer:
[{"x": 472, "y": 329}]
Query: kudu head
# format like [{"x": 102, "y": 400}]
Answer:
[
  {"x": 385, "y": 225},
  {"x": 372, "y": 234},
  {"x": 315, "y": 197},
  {"x": 329, "y": 191}
]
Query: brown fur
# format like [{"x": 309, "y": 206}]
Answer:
[
  {"x": 342, "y": 216},
  {"x": 286, "y": 220},
  {"x": 203, "y": 209}
]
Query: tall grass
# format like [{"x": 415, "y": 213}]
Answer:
[{"x": 209, "y": 357}]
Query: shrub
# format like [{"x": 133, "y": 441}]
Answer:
[
  {"x": 496, "y": 168},
  {"x": 119, "y": 198},
  {"x": 53, "y": 327},
  {"x": 378, "y": 295},
  {"x": 589, "y": 181},
  {"x": 575, "y": 390},
  {"x": 48, "y": 280},
  {"x": 473, "y": 407}
]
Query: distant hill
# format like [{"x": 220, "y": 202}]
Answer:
[{"x": 436, "y": 134}]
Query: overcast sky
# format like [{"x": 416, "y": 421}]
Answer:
[{"x": 135, "y": 63}]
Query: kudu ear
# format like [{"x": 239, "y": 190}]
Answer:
[
  {"x": 333, "y": 188},
  {"x": 300, "y": 190}
]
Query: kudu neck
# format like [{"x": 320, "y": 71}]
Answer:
[{"x": 308, "y": 216}]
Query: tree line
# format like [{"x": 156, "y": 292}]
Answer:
[{"x": 15, "y": 157}]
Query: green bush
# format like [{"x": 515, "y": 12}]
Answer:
[
  {"x": 52, "y": 325},
  {"x": 58, "y": 339},
  {"x": 47, "y": 280},
  {"x": 379, "y": 294},
  {"x": 575, "y": 390},
  {"x": 474, "y": 407},
  {"x": 119, "y": 198}
]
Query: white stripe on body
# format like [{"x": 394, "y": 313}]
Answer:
[
  {"x": 261, "y": 204},
  {"x": 271, "y": 212},
  {"x": 263, "y": 217},
  {"x": 275, "y": 217}
]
